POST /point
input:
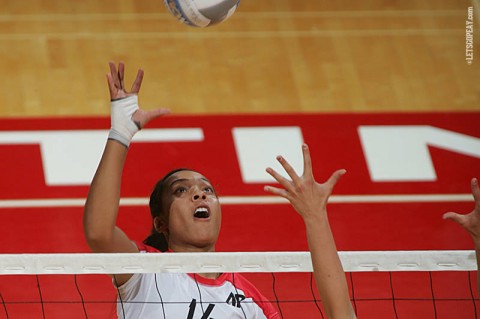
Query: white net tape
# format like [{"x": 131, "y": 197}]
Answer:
[{"x": 358, "y": 261}]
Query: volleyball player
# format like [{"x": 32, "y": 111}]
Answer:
[
  {"x": 186, "y": 217},
  {"x": 471, "y": 223}
]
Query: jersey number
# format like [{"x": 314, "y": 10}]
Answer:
[{"x": 192, "y": 307}]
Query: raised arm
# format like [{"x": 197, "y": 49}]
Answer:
[
  {"x": 309, "y": 199},
  {"x": 471, "y": 223},
  {"x": 101, "y": 208}
]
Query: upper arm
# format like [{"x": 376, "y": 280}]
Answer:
[{"x": 118, "y": 243}]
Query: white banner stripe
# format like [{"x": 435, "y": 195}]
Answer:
[
  {"x": 247, "y": 200},
  {"x": 352, "y": 261}
]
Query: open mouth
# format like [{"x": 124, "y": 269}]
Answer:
[{"x": 201, "y": 212}]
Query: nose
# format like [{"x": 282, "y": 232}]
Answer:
[{"x": 199, "y": 194}]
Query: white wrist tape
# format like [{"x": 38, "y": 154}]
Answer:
[{"x": 123, "y": 127}]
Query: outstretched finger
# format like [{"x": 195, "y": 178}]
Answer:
[
  {"x": 476, "y": 193},
  {"x": 457, "y": 218},
  {"x": 335, "y": 177},
  {"x": 114, "y": 75},
  {"x": 111, "y": 86},
  {"x": 143, "y": 117},
  {"x": 277, "y": 191},
  {"x": 138, "y": 82},
  {"x": 279, "y": 178},
  {"x": 307, "y": 161},
  {"x": 289, "y": 169},
  {"x": 121, "y": 74}
]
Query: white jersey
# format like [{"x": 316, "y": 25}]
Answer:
[{"x": 190, "y": 296}]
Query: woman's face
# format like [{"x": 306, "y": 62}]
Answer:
[{"x": 194, "y": 214}]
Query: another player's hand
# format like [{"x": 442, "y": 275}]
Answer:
[
  {"x": 471, "y": 222},
  {"x": 308, "y": 197},
  {"x": 127, "y": 117}
]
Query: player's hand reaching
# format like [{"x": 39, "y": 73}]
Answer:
[
  {"x": 308, "y": 197},
  {"x": 127, "y": 118},
  {"x": 471, "y": 222}
]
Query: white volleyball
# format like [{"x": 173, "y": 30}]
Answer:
[{"x": 202, "y": 13}]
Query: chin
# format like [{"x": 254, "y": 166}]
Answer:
[{"x": 205, "y": 242}]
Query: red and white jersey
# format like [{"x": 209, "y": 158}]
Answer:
[{"x": 190, "y": 296}]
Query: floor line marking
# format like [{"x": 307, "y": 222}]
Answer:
[
  {"x": 231, "y": 35},
  {"x": 238, "y": 15},
  {"x": 247, "y": 200}
]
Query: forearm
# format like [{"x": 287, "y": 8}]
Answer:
[
  {"x": 101, "y": 207},
  {"x": 329, "y": 274}
]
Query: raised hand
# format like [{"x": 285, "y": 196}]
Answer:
[
  {"x": 470, "y": 222},
  {"x": 308, "y": 197},
  {"x": 116, "y": 82},
  {"x": 127, "y": 117}
]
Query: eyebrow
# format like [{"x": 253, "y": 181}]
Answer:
[{"x": 188, "y": 179}]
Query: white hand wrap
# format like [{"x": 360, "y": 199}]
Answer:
[{"x": 123, "y": 127}]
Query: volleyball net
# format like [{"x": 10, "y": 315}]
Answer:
[{"x": 383, "y": 284}]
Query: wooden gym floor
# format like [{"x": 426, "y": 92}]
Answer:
[{"x": 272, "y": 56}]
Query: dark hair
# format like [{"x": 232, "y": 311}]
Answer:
[{"x": 156, "y": 239}]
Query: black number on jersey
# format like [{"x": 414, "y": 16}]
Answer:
[
  {"x": 192, "y": 307},
  {"x": 235, "y": 299}
]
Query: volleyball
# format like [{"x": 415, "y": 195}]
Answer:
[{"x": 201, "y": 13}]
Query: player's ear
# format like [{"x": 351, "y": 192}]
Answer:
[{"x": 160, "y": 224}]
